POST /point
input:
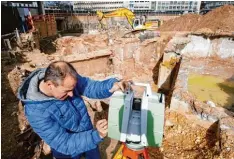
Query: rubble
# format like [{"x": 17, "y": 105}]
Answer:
[{"x": 80, "y": 45}]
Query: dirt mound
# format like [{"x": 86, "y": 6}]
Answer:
[
  {"x": 184, "y": 23},
  {"x": 218, "y": 20}
]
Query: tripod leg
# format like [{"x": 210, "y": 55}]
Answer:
[
  {"x": 145, "y": 154},
  {"x": 119, "y": 154}
]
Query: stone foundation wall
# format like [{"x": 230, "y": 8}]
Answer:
[{"x": 200, "y": 46}]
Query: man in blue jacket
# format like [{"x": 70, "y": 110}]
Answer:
[{"x": 57, "y": 113}]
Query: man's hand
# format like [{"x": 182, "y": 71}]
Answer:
[
  {"x": 102, "y": 127},
  {"x": 122, "y": 85}
]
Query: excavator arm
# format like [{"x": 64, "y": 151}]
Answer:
[{"x": 121, "y": 12}]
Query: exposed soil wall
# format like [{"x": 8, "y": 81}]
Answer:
[{"x": 93, "y": 66}]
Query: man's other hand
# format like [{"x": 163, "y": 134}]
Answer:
[
  {"x": 102, "y": 127},
  {"x": 121, "y": 85}
]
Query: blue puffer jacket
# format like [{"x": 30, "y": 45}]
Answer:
[{"x": 64, "y": 125}]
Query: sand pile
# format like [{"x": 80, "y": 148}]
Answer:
[
  {"x": 216, "y": 21},
  {"x": 184, "y": 23}
]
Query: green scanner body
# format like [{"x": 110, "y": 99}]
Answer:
[{"x": 137, "y": 120}]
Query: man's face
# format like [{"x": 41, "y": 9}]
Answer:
[{"x": 61, "y": 92}]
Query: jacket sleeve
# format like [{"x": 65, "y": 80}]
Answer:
[
  {"x": 94, "y": 89},
  {"x": 60, "y": 139}
]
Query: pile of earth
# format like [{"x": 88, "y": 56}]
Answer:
[
  {"x": 183, "y": 23},
  {"x": 218, "y": 20}
]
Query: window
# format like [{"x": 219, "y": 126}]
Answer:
[{"x": 34, "y": 4}]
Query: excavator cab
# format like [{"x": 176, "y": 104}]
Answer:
[
  {"x": 143, "y": 24},
  {"x": 138, "y": 24}
]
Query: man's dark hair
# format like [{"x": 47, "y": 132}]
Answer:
[{"x": 58, "y": 70}]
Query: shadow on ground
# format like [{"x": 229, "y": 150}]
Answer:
[
  {"x": 47, "y": 45},
  {"x": 9, "y": 106},
  {"x": 228, "y": 87}
]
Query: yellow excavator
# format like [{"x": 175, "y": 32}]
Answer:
[{"x": 136, "y": 23}]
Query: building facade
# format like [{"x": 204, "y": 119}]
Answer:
[
  {"x": 33, "y": 6},
  {"x": 14, "y": 14},
  {"x": 138, "y": 6},
  {"x": 178, "y": 6},
  {"x": 58, "y": 7},
  {"x": 207, "y": 6},
  {"x": 93, "y": 6},
  {"x": 215, "y": 4}
]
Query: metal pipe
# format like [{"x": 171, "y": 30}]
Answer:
[
  {"x": 8, "y": 44},
  {"x": 5, "y": 35},
  {"x": 17, "y": 36}
]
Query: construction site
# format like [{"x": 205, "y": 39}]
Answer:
[{"x": 189, "y": 58}]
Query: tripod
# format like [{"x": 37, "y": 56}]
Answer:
[
  {"x": 136, "y": 122},
  {"x": 131, "y": 151}
]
